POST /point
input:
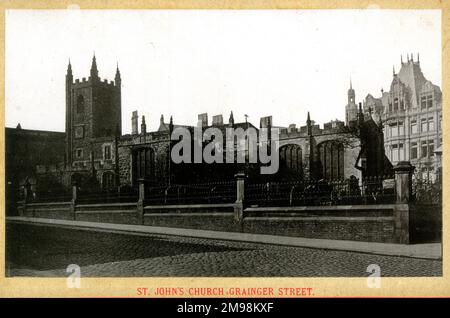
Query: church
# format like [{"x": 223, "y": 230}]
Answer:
[{"x": 94, "y": 153}]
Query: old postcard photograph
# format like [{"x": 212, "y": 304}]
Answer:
[{"x": 216, "y": 152}]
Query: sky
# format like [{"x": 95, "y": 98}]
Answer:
[{"x": 186, "y": 62}]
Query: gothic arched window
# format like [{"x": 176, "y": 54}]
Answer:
[
  {"x": 331, "y": 155},
  {"x": 80, "y": 104},
  {"x": 291, "y": 159},
  {"x": 143, "y": 164}
]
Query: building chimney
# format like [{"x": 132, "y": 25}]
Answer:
[
  {"x": 134, "y": 123},
  {"x": 217, "y": 120},
  {"x": 143, "y": 126},
  {"x": 203, "y": 120}
]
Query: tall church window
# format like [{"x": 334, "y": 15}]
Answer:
[
  {"x": 143, "y": 164},
  {"x": 80, "y": 104},
  {"x": 331, "y": 155},
  {"x": 291, "y": 158}
]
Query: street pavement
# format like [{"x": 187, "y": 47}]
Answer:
[{"x": 45, "y": 250}]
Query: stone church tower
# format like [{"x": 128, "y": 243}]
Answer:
[
  {"x": 351, "y": 109},
  {"x": 93, "y": 112}
]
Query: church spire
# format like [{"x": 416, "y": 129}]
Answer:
[
  {"x": 393, "y": 70},
  {"x": 94, "y": 71}
]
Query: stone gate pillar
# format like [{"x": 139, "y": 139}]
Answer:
[
  {"x": 141, "y": 199},
  {"x": 403, "y": 181},
  {"x": 73, "y": 202},
  {"x": 239, "y": 205},
  {"x": 403, "y": 186}
]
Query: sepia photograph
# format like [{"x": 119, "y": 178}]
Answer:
[{"x": 223, "y": 143}]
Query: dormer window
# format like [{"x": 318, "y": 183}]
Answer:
[{"x": 395, "y": 104}]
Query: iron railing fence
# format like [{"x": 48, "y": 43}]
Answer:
[
  {"x": 426, "y": 191},
  {"x": 372, "y": 190},
  {"x": 50, "y": 196},
  {"x": 199, "y": 193},
  {"x": 122, "y": 195}
]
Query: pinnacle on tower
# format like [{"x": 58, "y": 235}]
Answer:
[
  {"x": 393, "y": 70},
  {"x": 231, "y": 119},
  {"x": 117, "y": 71},
  {"x": 143, "y": 126},
  {"x": 94, "y": 71}
]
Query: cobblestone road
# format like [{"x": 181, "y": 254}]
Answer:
[{"x": 47, "y": 251}]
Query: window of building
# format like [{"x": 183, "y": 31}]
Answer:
[
  {"x": 80, "y": 104},
  {"x": 426, "y": 101},
  {"x": 79, "y": 153},
  {"x": 401, "y": 129},
  {"x": 107, "y": 152},
  {"x": 430, "y": 124},
  {"x": 423, "y": 125},
  {"x": 395, "y": 104},
  {"x": 291, "y": 160},
  {"x": 394, "y": 153},
  {"x": 431, "y": 148},
  {"x": 414, "y": 150},
  {"x": 401, "y": 152},
  {"x": 394, "y": 130},
  {"x": 414, "y": 127},
  {"x": 424, "y": 149},
  {"x": 331, "y": 156}
]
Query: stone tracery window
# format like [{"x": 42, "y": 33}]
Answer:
[
  {"x": 331, "y": 154},
  {"x": 143, "y": 161}
]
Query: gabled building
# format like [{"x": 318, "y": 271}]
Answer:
[{"x": 411, "y": 114}]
